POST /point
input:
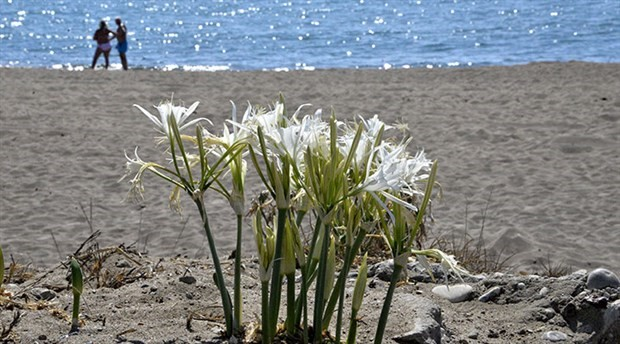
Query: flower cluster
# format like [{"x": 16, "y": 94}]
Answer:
[{"x": 346, "y": 177}]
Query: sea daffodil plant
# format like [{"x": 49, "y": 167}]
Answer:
[{"x": 333, "y": 180}]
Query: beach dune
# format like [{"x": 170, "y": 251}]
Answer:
[{"x": 530, "y": 154}]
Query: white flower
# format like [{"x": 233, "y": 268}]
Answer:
[
  {"x": 136, "y": 167},
  {"x": 168, "y": 109},
  {"x": 373, "y": 126}
]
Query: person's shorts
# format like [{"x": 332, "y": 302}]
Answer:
[
  {"x": 105, "y": 47},
  {"x": 122, "y": 47}
]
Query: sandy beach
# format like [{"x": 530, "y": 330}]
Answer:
[{"x": 529, "y": 153}]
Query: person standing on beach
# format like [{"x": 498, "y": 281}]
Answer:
[
  {"x": 102, "y": 36},
  {"x": 121, "y": 36}
]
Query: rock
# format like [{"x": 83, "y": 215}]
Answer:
[
  {"x": 42, "y": 294},
  {"x": 610, "y": 332},
  {"x": 382, "y": 270},
  {"x": 545, "y": 314},
  {"x": 602, "y": 278},
  {"x": 420, "y": 273},
  {"x": 473, "y": 335},
  {"x": 427, "y": 322},
  {"x": 491, "y": 294},
  {"x": 554, "y": 336},
  {"x": 122, "y": 263},
  {"x": 454, "y": 293},
  {"x": 187, "y": 279},
  {"x": 543, "y": 291}
]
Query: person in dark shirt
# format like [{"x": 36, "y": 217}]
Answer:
[{"x": 102, "y": 36}]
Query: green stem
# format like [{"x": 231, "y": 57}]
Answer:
[
  {"x": 339, "y": 316},
  {"x": 219, "y": 276},
  {"x": 75, "y": 321},
  {"x": 276, "y": 279},
  {"x": 290, "y": 304},
  {"x": 387, "y": 303},
  {"x": 338, "y": 291},
  {"x": 352, "y": 328},
  {"x": 320, "y": 288},
  {"x": 264, "y": 291},
  {"x": 304, "y": 304},
  {"x": 238, "y": 302}
]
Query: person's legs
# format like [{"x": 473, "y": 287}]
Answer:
[
  {"x": 96, "y": 57},
  {"x": 106, "y": 54},
  {"x": 123, "y": 60}
]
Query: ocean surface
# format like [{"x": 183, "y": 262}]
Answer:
[{"x": 310, "y": 34}]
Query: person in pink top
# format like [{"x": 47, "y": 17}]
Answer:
[{"x": 102, "y": 36}]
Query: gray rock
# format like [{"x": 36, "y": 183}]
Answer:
[
  {"x": 602, "y": 278},
  {"x": 610, "y": 332},
  {"x": 454, "y": 293},
  {"x": 473, "y": 335},
  {"x": 543, "y": 291},
  {"x": 122, "y": 263},
  {"x": 554, "y": 336},
  {"x": 427, "y": 322},
  {"x": 382, "y": 270},
  {"x": 43, "y": 294},
  {"x": 491, "y": 294},
  {"x": 187, "y": 279},
  {"x": 545, "y": 314}
]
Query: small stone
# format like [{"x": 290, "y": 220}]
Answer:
[
  {"x": 521, "y": 286},
  {"x": 122, "y": 263},
  {"x": 543, "y": 291},
  {"x": 546, "y": 314},
  {"x": 43, "y": 294},
  {"x": 602, "y": 278},
  {"x": 491, "y": 294},
  {"x": 473, "y": 335},
  {"x": 493, "y": 334},
  {"x": 554, "y": 336},
  {"x": 427, "y": 322},
  {"x": 454, "y": 293},
  {"x": 382, "y": 270},
  {"x": 611, "y": 321},
  {"x": 187, "y": 279}
]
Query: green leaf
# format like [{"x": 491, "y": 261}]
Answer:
[{"x": 76, "y": 278}]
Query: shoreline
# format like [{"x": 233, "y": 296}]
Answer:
[
  {"x": 223, "y": 69},
  {"x": 526, "y": 152}
]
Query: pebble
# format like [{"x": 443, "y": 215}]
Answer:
[
  {"x": 546, "y": 314},
  {"x": 521, "y": 286},
  {"x": 454, "y": 293},
  {"x": 43, "y": 294},
  {"x": 602, "y": 278},
  {"x": 122, "y": 263},
  {"x": 187, "y": 279},
  {"x": 543, "y": 291},
  {"x": 491, "y": 294},
  {"x": 554, "y": 336}
]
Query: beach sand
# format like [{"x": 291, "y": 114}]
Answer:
[{"x": 529, "y": 153}]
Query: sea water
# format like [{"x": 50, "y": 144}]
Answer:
[{"x": 310, "y": 34}]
